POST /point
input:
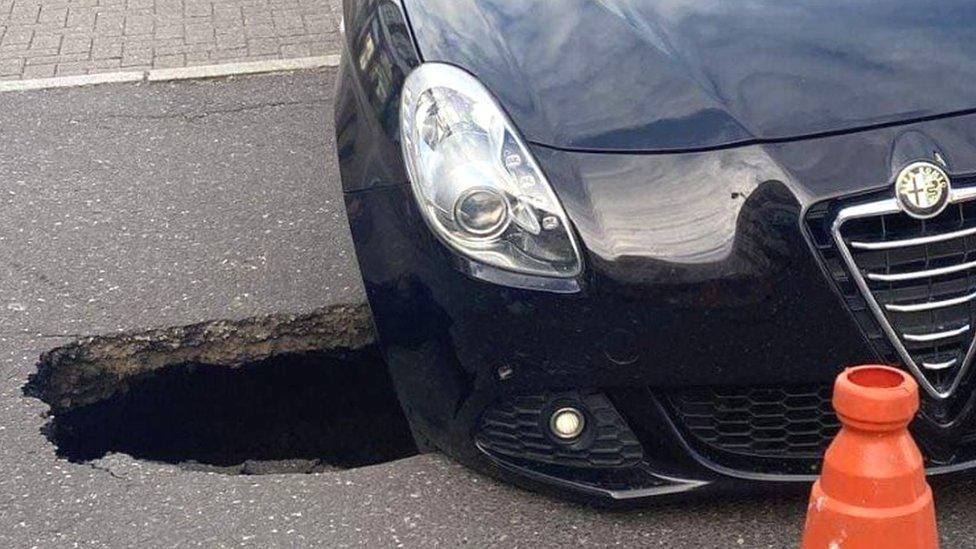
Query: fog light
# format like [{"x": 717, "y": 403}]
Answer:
[{"x": 567, "y": 423}]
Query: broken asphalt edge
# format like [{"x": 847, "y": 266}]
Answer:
[{"x": 95, "y": 368}]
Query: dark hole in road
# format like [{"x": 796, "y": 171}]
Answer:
[{"x": 303, "y": 412}]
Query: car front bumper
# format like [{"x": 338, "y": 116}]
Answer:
[{"x": 706, "y": 328}]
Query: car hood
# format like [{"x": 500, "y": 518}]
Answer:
[{"x": 667, "y": 75}]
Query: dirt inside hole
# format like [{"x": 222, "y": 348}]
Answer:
[{"x": 293, "y": 413}]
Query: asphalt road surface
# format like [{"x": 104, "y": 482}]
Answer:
[{"x": 135, "y": 206}]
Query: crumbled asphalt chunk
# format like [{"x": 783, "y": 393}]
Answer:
[{"x": 96, "y": 368}]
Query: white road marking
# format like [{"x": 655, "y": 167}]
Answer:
[
  {"x": 70, "y": 81},
  {"x": 182, "y": 73},
  {"x": 247, "y": 67}
]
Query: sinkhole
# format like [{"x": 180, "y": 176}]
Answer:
[{"x": 274, "y": 394}]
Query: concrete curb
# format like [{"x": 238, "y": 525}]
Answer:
[{"x": 166, "y": 75}]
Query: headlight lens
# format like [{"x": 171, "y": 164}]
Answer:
[
  {"x": 477, "y": 185},
  {"x": 481, "y": 212}
]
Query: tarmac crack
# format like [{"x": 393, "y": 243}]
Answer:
[
  {"x": 193, "y": 117},
  {"x": 110, "y": 472}
]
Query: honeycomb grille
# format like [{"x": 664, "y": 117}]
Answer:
[
  {"x": 790, "y": 422},
  {"x": 518, "y": 427}
]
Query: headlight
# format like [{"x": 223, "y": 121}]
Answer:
[{"x": 477, "y": 185}]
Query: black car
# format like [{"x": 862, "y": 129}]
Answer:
[{"x": 621, "y": 248}]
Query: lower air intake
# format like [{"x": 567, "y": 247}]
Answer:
[{"x": 778, "y": 422}]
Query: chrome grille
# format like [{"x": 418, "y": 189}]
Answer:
[{"x": 918, "y": 278}]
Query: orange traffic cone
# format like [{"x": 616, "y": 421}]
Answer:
[{"x": 872, "y": 491}]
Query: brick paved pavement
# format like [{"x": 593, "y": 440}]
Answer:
[{"x": 44, "y": 38}]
